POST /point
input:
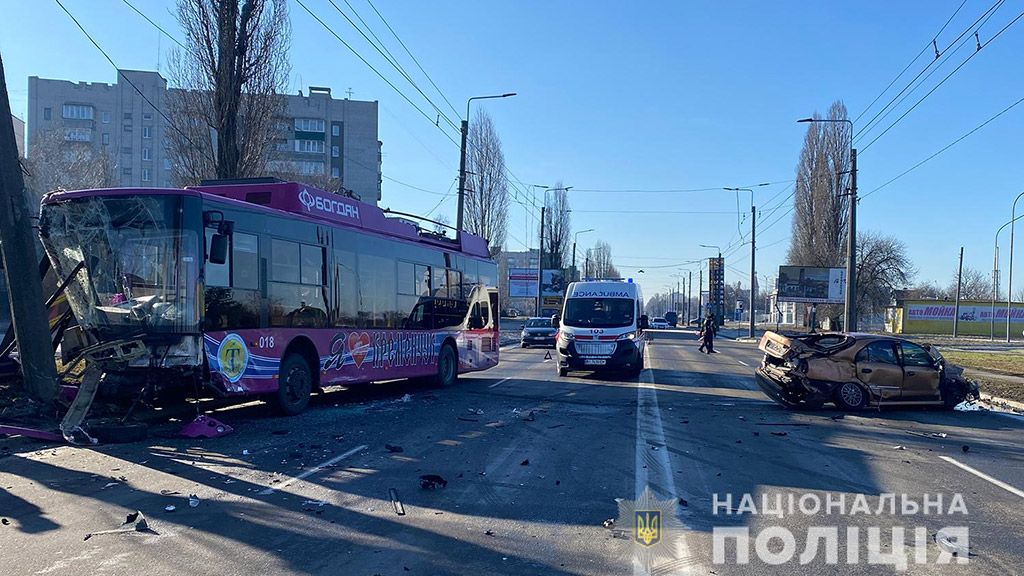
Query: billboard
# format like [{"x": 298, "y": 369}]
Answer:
[
  {"x": 716, "y": 288},
  {"x": 814, "y": 285},
  {"x": 555, "y": 283},
  {"x": 522, "y": 282}
]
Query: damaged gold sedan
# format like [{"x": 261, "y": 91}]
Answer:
[{"x": 855, "y": 371}]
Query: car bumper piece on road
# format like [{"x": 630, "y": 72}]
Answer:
[{"x": 788, "y": 392}]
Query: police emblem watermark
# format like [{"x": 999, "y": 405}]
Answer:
[{"x": 653, "y": 529}]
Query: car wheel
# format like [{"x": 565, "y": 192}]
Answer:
[
  {"x": 952, "y": 394},
  {"x": 638, "y": 367},
  {"x": 294, "y": 385},
  {"x": 447, "y": 366},
  {"x": 562, "y": 372},
  {"x": 851, "y": 396},
  {"x": 524, "y": 345}
]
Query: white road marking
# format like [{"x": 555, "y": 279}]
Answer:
[
  {"x": 984, "y": 476},
  {"x": 654, "y": 467},
  {"x": 744, "y": 363},
  {"x": 314, "y": 470},
  {"x": 500, "y": 382}
]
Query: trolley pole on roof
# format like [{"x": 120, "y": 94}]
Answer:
[{"x": 19, "y": 247}]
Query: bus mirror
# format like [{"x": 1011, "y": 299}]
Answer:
[
  {"x": 218, "y": 249},
  {"x": 476, "y": 322},
  {"x": 556, "y": 321},
  {"x": 645, "y": 322}
]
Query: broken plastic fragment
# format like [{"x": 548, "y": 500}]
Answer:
[
  {"x": 431, "y": 481},
  {"x": 193, "y": 501}
]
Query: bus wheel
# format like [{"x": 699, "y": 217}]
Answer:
[
  {"x": 295, "y": 383},
  {"x": 447, "y": 366}
]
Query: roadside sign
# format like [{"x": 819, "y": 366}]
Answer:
[{"x": 814, "y": 285}]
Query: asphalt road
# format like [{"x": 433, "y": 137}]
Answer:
[{"x": 534, "y": 465}]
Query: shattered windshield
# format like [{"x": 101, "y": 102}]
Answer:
[
  {"x": 135, "y": 268},
  {"x": 599, "y": 312}
]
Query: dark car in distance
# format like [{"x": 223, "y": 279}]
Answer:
[{"x": 538, "y": 332}]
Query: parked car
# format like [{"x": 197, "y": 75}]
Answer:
[
  {"x": 659, "y": 323},
  {"x": 855, "y": 371},
  {"x": 538, "y": 332}
]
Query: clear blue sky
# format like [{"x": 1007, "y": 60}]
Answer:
[{"x": 651, "y": 96}]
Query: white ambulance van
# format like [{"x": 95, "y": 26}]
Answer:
[{"x": 601, "y": 327}]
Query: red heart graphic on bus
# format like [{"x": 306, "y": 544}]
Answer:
[{"x": 359, "y": 347}]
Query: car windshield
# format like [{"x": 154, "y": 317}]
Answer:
[
  {"x": 538, "y": 323},
  {"x": 659, "y": 319},
  {"x": 134, "y": 268},
  {"x": 599, "y": 312}
]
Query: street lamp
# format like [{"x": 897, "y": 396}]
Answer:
[
  {"x": 540, "y": 253},
  {"x": 1009, "y": 274},
  {"x": 851, "y": 234},
  {"x": 574, "y": 237},
  {"x": 995, "y": 279},
  {"x": 753, "y": 253},
  {"x": 462, "y": 162}
]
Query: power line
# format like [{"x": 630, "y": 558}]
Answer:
[
  {"x": 155, "y": 25},
  {"x": 387, "y": 56},
  {"x": 729, "y": 212},
  {"x": 377, "y": 72},
  {"x": 941, "y": 82},
  {"x": 923, "y": 50},
  {"x": 866, "y": 128},
  {"x": 122, "y": 75},
  {"x": 396, "y": 181},
  {"x": 946, "y": 147},
  {"x": 407, "y": 51},
  {"x": 670, "y": 190}
]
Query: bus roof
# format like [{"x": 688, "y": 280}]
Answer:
[{"x": 303, "y": 201}]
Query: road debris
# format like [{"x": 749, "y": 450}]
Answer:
[
  {"x": 464, "y": 419},
  {"x": 396, "y": 502},
  {"x": 952, "y": 545},
  {"x": 406, "y": 398},
  {"x": 246, "y": 453},
  {"x": 169, "y": 492},
  {"x": 109, "y": 484},
  {"x": 969, "y": 406},
  {"x": 489, "y": 533},
  {"x": 5, "y": 521},
  {"x": 782, "y": 424},
  {"x": 553, "y": 426},
  {"x": 193, "y": 501},
  {"x": 476, "y": 411},
  {"x": 431, "y": 481},
  {"x": 965, "y": 448},
  {"x": 609, "y": 523},
  {"x": 205, "y": 427},
  {"x": 780, "y": 433},
  {"x": 170, "y": 508},
  {"x": 838, "y": 416},
  {"x": 134, "y": 522},
  {"x": 496, "y": 424},
  {"x": 900, "y": 447},
  {"x": 525, "y": 462},
  {"x": 393, "y": 448},
  {"x": 683, "y": 502}
]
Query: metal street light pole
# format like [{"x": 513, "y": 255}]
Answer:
[
  {"x": 753, "y": 253},
  {"x": 462, "y": 162},
  {"x": 850, "y": 303},
  {"x": 995, "y": 279},
  {"x": 574, "y": 237},
  {"x": 1009, "y": 273}
]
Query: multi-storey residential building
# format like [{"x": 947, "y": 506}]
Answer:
[{"x": 318, "y": 134}]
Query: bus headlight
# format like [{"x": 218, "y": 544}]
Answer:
[{"x": 627, "y": 336}]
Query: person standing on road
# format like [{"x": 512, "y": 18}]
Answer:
[{"x": 707, "y": 334}]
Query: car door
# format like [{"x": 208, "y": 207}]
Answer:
[
  {"x": 921, "y": 376},
  {"x": 878, "y": 368}
]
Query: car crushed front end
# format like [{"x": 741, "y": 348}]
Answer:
[{"x": 796, "y": 375}]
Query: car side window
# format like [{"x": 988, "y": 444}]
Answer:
[
  {"x": 914, "y": 355},
  {"x": 881, "y": 351}
]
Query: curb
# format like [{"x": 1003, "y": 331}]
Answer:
[{"x": 1012, "y": 405}]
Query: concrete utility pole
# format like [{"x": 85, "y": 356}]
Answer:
[
  {"x": 689, "y": 296},
  {"x": 1009, "y": 273},
  {"x": 959, "y": 282},
  {"x": 700, "y": 295},
  {"x": 540, "y": 261},
  {"x": 851, "y": 246},
  {"x": 18, "y": 244},
  {"x": 753, "y": 273}
]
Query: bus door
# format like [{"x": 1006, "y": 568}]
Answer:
[{"x": 480, "y": 334}]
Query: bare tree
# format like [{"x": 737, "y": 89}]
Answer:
[
  {"x": 598, "y": 261},
  {"x": 883, "y": 267},
  {"x": 55, "y": 162},
  {"x": 225, "y": 111},
  {"x": 442, "y": 224},
  {"x": 557, "y": 228},
  {"x": 821, "y": 200},
  {"x": 487, "y": 201},
  {"x": 976, "y": 285}
]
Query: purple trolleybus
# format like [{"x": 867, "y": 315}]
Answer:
[{"x": 268, "y": 288}]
